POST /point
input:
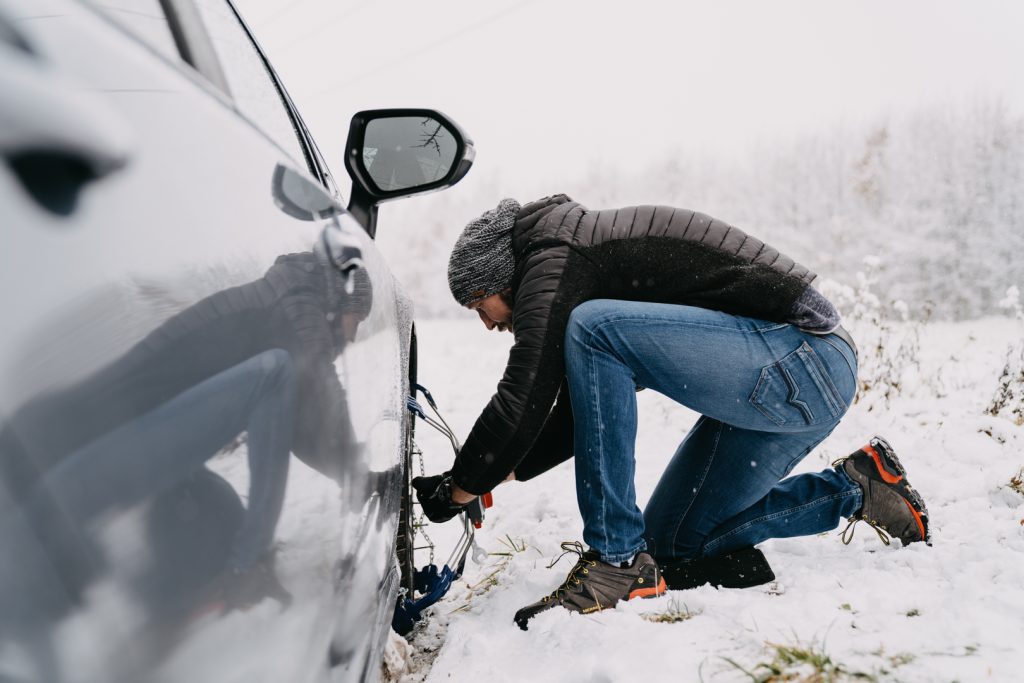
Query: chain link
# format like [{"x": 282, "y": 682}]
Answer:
[{"x": 420, "y": 522}]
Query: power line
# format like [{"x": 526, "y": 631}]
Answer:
[{"x": 425, "y": 48}]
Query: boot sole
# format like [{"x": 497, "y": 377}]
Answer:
[
  {"x": 522, "y": 621},
  {"x": 892, "y": 472},
  {"x": 652, "y": 592}
]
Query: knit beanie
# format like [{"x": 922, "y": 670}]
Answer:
[{"x": 481, "y": 263}]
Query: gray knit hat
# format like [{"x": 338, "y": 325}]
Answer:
[{"x": 481, "y": 263}]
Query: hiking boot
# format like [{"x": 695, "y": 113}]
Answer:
[
  {"x": 594, "y": 585},
  {"x": 741, "y": 568},
  {"x": 891, "y": 505}
]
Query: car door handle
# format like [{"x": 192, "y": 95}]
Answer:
[
  {"x": 54, "y": 134},
  {"x": 341, "y": 246},
  {"x": 300, "y": 197}
]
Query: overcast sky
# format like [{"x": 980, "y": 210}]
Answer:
[{"x": 547, "y": 87}]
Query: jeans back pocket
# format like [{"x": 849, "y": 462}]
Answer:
[{"x": 797, "y": 390}]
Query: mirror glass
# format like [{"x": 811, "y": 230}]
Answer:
[{"x": 404, "y": 152}]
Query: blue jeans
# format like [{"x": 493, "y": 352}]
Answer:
[{"x": 768, "y": 393}]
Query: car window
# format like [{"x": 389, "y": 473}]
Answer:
[
  {"x": 252, "y": 87},
  {"x": 144, "y": 18}
]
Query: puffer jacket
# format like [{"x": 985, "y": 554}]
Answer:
[{"x": 565, "y": 255}]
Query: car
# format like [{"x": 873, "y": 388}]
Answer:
[{"x": 205, "y": 361}]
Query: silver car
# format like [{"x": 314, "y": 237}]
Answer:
[{"x": 204, "y": 360}]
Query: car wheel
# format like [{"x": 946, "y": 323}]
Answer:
[{"x": 404, "y": 545}]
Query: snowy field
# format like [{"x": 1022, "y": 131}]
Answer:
[{"x": 952, "y": 612}]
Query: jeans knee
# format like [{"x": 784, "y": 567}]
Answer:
[{"x": 585, "y": 320}]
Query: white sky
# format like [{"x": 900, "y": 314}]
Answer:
[{"x": 549, "y": 87}]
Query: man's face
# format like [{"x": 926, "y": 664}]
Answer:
[{"x": 494, "y": 312}]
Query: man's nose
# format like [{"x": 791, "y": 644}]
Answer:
[{"x": 486, "y": 320}]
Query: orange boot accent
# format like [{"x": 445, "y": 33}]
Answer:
[
  {"x": 884, "y": 473},
  {"x": 649, "y": 592},
  {"x": 917, "y": 518}
]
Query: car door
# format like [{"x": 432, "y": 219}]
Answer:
[{"x": 189, "y": 176}]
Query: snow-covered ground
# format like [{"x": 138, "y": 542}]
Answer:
[{"x": 952, "y": 612}]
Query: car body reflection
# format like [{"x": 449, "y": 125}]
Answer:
[
  {"x": 256, "y": 359},
  {"x": 179, "y": 322}
]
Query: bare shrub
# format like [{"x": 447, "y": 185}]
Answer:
[
  {"x": 888, "y": 342},
  {"x": 1008, "y": 399}
]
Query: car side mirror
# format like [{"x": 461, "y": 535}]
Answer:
[{"x": 395, "y": 153}]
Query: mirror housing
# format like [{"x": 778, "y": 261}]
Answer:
[{"x": 396, "y": 153}]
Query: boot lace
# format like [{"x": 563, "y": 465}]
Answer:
[
  {"x": 847, "y": 533},
  {"x": 582, "y": 567}
]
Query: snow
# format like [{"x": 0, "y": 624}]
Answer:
[{"x": 954, "y": 611}]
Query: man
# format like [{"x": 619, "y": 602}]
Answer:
[{"x": 602, "y": 302}]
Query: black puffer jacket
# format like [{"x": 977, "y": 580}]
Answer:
[{"x": 565, "y": 255}]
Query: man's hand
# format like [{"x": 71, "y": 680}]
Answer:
[
  {"x": 461, "y": 496},
  {"x": 435, "y": 495}
]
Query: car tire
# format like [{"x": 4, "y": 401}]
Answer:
[{"x": 404, "y": 544}]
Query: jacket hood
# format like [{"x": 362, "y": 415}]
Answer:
[{"x": 531, "y": 213}]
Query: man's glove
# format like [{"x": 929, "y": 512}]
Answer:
[{"x": 435, "y": 495}]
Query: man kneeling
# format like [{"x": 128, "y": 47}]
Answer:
[{"x": 603, "y": 302}]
